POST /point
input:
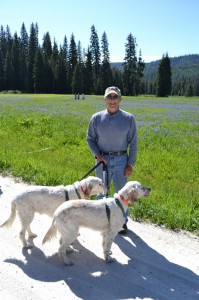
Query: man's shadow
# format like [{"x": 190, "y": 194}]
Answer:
[
  {"x": 146, "y": 275},
  {"x": 160, "y": 278}
]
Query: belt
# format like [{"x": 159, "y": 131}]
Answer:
[{"x": 119, "y": 153}]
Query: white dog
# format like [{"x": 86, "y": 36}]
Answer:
[
  {"x": 46, "y": 199},
  {"x": 106, "y": 215}
]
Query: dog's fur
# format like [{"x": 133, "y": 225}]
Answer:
[
  {"x": 46, "y": 199},
  {"x": 93, "y": 214}
]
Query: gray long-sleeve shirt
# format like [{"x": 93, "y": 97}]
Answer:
[{"x": 113, "y": 133}]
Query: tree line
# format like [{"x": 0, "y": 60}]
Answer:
[
  {"x": 184, "y": 73},
  {"x": 31, "y": 67}
]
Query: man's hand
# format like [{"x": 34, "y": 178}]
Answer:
[
  {"x": 128, "y": 170},
  {"x": 101, "y": 158}
]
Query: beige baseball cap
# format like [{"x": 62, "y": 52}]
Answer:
[{"x": 112, "y": 90}]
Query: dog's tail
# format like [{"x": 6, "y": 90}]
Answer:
[
  {"x": 51, "y": 233},
  {"x": 12, "y": 216}
]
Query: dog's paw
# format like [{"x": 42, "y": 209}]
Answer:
[
  {"x": 64, "y": 258},
  {"x": 28, "y": 246},
  {"x": 69, "y": 263},
  {"x": 69, "y": 250},
  {"x": 66, "y": 261},
  {"x": 109, "y": 259}
]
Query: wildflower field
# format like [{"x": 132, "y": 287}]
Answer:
[{"x": 43, "y": 141}]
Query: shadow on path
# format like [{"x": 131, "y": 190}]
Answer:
[{"x": 148, "y": 274}]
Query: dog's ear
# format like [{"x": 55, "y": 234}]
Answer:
[
  {"x": 87, "y": 188},
  {"x": 135, "y": 186},
  {"x": 133, "y": 194}
]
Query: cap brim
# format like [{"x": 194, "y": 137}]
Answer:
[{"x": 111, "y": 92}]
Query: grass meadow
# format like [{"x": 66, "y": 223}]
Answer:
[{"x": 43, "y": 141}]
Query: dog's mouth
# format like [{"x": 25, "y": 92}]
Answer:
[
  {"x": 146, "y": 192},
  {"x": 135, "y": 195}
]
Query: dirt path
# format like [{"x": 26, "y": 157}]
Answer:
[{"x": 151, "y": 263}]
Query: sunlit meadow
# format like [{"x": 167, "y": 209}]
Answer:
[{"x": 43, "y": 141}]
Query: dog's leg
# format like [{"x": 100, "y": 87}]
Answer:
[
  {"x": 62, "y": 254},
  {"x": 30, "y": 233},
  {"x": 68, "y": 236},
  {"x": 108, "y": 238},
  {"x": 25, "y": 226},
  {"x": 69, "y": 249},
  {"x": 26, "y": 245}
]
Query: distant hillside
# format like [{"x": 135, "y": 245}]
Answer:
[
  {"x": 187, "y": 65},
  {"x": 117, "y": 65}
]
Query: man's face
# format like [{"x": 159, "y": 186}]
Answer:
[{"x": 112, "y": 103}]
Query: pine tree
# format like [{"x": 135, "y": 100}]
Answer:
[
  {"x": 39, "y": 73},
  {"x": 7, "y": 65},
  {"x": 72, "y": 60},
  {"x": 65, "y": 49},
  {"x": 9, "y": 39},
  {"x": 23, "y": 73},
  {"x": 50, "y": 63},
  {"x": 189, "y": 90},
  {"x": 7, "y": 79},
  {"x": 2, "y": 57},
  {"x": 54, "y": 64},
  {"x": 106, "y": 71},
  {"x": 15, "y": 64},
  {"x": 164, "y": 80},
  {"x": 64, "y": 55},
  {"x": 96, "y": 56},
  {"x": 79, "y": 52},
  {"x": 61, "y": 74},
  {"x": 88, "y": 74},
  {"x": 32, "y": 49},
  {"x": 130, "y": 67},
  {"x": 47, "y": 46},
  {"x": 77, "y": 79},
  {"x": 24, "y": 41},
  {"x": 1, "y": 69},
  {"x": 140, "y": 73}
]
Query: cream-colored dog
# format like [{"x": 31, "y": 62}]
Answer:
[
  {"x": 106, "y": 215},
  {"x": 46, "y": 199}
]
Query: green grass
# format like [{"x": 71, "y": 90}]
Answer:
[{"x": 43, "y": 140}]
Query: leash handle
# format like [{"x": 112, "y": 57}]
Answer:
[{"x": 105, "y": 177}]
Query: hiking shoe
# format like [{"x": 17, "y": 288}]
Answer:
[{"x": 124, "y": 229}]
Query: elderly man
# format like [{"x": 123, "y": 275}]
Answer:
[{"x": 112, "y": 138}]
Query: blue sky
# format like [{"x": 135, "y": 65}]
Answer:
[{"x": 159, "y": 26}]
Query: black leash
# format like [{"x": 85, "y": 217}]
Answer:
[{"x": 91, "y": 170}]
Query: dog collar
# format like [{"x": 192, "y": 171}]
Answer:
[
  {"x": 124, "y": 200},
  {"x": 108, "y": 212},
  {"x": 66, "y": 195},
  {"x": 77, "y": 192}
]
